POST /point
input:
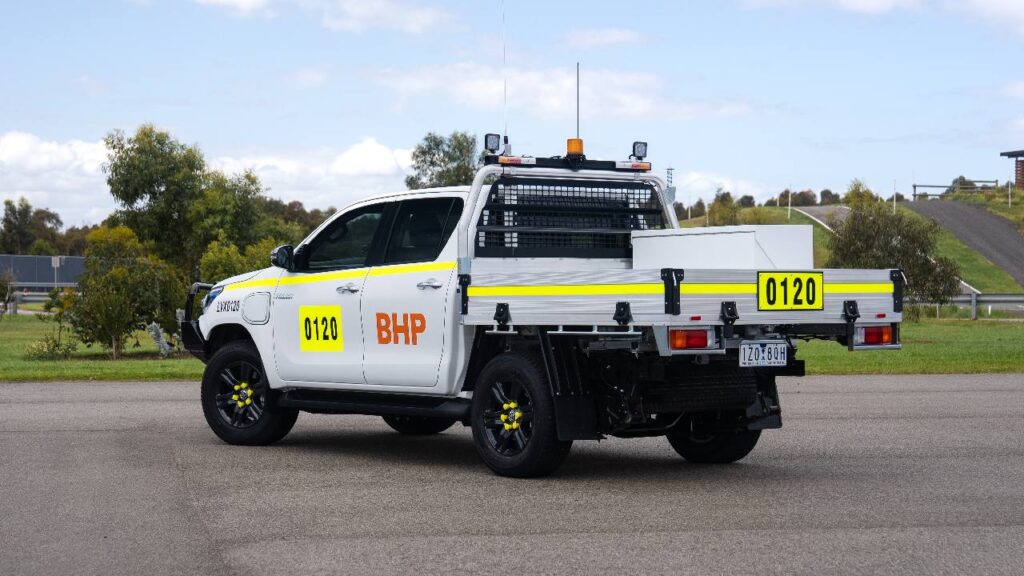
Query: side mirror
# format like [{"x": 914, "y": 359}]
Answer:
[{"x": 282, "y": 257}]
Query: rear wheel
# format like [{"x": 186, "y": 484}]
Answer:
[
  {"x": 419, "y": 425},
  {"x": 513, "y": 418},
  {"x": 697, "y": 442},
  {"x": 237, "y": 400}
]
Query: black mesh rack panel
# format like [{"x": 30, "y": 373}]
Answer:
[{"x": 537, "y": 218}]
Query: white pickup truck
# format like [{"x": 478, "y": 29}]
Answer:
[{"x": 553, "y": 300}]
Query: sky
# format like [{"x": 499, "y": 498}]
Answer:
[{"x": 324, "y": 99}]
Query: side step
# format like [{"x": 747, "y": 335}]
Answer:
[{"x": 375, "y": 404}]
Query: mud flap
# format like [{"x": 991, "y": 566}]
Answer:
[{"x": 576, "y": 418}]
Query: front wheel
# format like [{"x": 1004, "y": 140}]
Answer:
[
  {"x": 237, "y": 400},
  {"x": 711, "y": 447},
  {"x": 513, "y": 418}
]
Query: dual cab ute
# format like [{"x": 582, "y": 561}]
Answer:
[{"x": 553, "y": 300}]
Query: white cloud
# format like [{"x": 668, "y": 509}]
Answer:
[
  {"x": 242, "y": 7},
  {"x": 66, "y": 177},
  {"x": 347, "y": 15},
  {"x": 1014, "y": 90},
  {"x": 860, "y": 6},
  {"x": 308, "y": 78},
  {"x": 321, "y": 178},
  {"x": 693, "y": 186},
  {"x": 358, "y": 15},
  {"x": 551, "y": 93},
  {"x": 1002, "y": 13},
  {"x": 598, "y": 37}
]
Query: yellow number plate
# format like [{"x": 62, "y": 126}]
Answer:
[
  {"x": 790, "y": 291},
  {"x": 320, "y": 329}
]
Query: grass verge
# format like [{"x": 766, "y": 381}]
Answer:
[
  {"x": 142, "y": 363},
  {"x": 929, "y": 347}
]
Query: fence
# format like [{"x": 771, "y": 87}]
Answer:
[
  {"x": 42, "y": 273},
  {"x": 974, "y": 300}
]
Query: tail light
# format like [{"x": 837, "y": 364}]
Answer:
[
  {"x": 873, "y": 336},
  {"x": 691, "y": 339}
]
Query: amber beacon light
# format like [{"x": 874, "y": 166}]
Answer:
[{"x": 574, "y": 147}]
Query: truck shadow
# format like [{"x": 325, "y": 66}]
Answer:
[{"x": 453, "y": 452}]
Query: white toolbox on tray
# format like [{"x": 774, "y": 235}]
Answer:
[{"x": 788, "y": 247}]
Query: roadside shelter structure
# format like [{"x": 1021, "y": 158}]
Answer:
[{"x": 1018, "y": 158}]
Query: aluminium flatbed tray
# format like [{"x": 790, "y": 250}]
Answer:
[{"x": 589, "y": 297}]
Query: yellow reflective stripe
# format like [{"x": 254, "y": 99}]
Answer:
[
  {"x": 323, "y": 277},
  {"x": 410, "y": 268},
  {"x": 567, "y": 290},
  {"x": 879, "y": 288},
  {"x": 699, "y": 289},
  {"x": 269, "y": 282}
]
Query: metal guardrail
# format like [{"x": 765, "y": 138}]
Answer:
[{"x": 975, "y": 300}]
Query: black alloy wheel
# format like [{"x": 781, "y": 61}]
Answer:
[
  {"x": 508, "y": 419},
  {"x": 513, "y": 418},
  {"x": 241, "y": 395},
  {"x": 237, "y": 400}
]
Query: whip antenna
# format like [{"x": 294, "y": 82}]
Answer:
[
  {"x": 504, "y": 77},
  {"x": 577, "y": 99}
]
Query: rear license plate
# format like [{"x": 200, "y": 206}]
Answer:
[
  {"x": 790, "y": 291},
  {"x": 754, "y": 354}
]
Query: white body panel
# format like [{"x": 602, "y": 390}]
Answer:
[
  {"x": 329, "y": 367},
  {"x": 725, "y": 248}
]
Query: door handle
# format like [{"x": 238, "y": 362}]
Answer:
[
  {"x": 349, "y": 288},
  {"x": 431, "y": 283}
]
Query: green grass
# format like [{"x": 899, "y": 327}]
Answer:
[
  {"x": 929, "y": 347},
  {"x": 975, "y": 269},
  {"x": 17, "y": 332}
]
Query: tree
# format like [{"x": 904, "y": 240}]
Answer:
[
  {"x": 443, "y": 161},
  {"x": 872, "y": 236},
  {"x": 224, "y": 260},
  {"x": 46, "y": 225},
  {"x": 16, "y": 232},
  {"x": 41, "y": 247},
  {"x": 155, "y": 180},
  {"x": 771, "y": 202},
  {"x": 723, "y": 210},
  {"x": 829, "y": 197},
  {"x": 805, "y": 198},
  {"x": 6, "y": 291},
  {"x": 122, "y": 289},
  {"x": 858, "y": 194},
  {"x": 698, "y": 209},
  {"x": 746, "y": 201}
]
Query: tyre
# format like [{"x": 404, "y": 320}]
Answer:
[
  {"x": 513, "y": 418},
  {"x": 237, "y": 401},
  {"x": 419, "y": 425},
  {"x": 704, "y": 447}
]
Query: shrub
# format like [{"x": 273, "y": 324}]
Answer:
[{"x": 51, "y": 347}]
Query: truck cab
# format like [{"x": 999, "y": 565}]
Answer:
[{"x": 551, "y": 301}]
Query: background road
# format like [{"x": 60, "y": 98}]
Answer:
[
  {"x": 918, "y": 475},
  {"x": 992, "y": 236}
]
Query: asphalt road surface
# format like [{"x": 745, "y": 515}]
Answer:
[
  {"x": 992, "y": 236},
  {"x": 826, "y": 214},
  {"x": 894, "y": 475}
]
